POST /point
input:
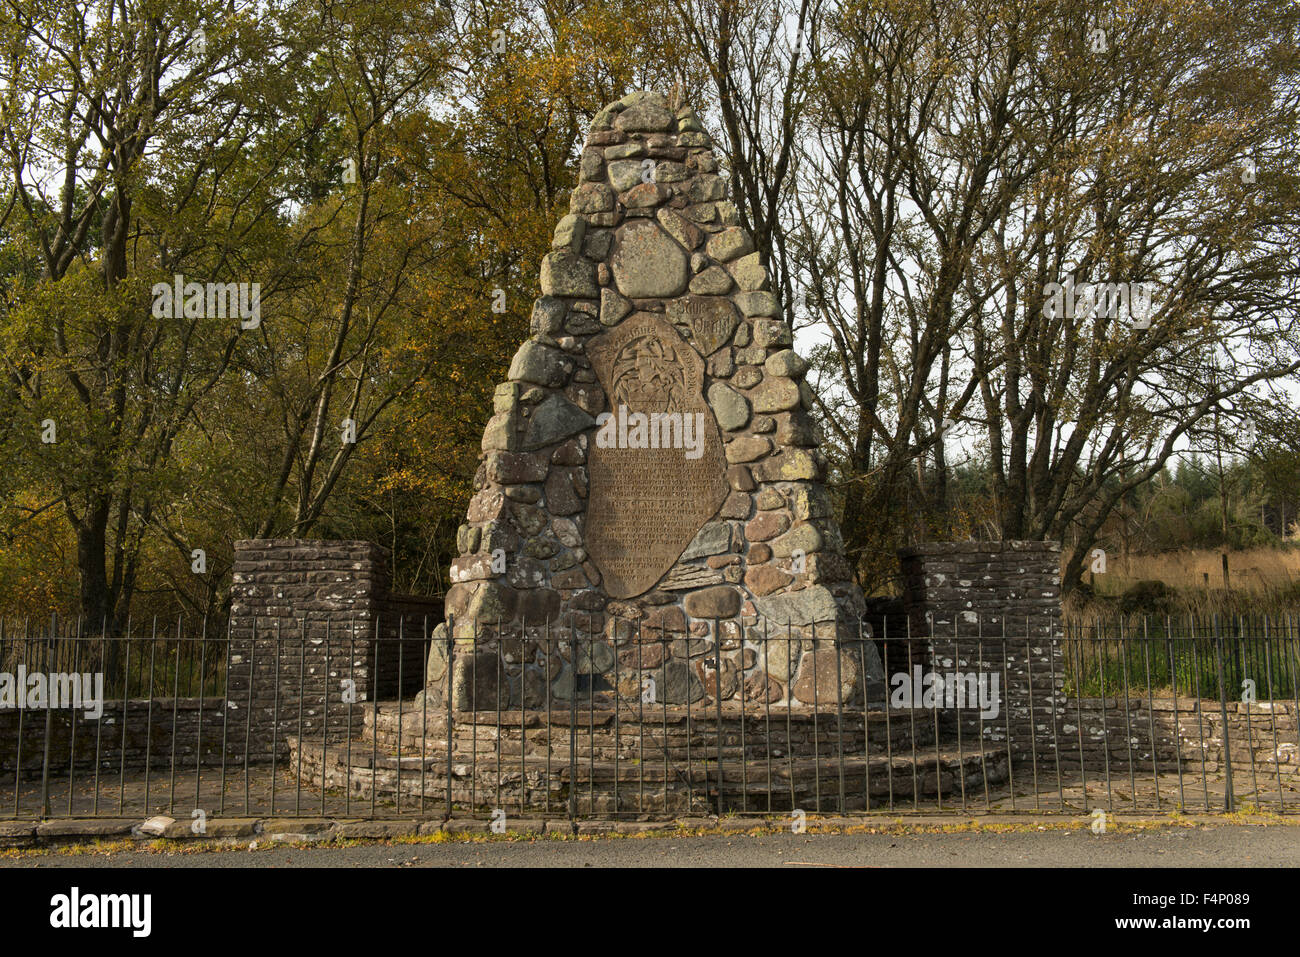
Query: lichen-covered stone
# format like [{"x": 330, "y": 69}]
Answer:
[
  {"x": 435, "y": 668},
  {"x": 730, "y": 244},
  {"x": 795, "y": 429},
  {"x": 747, "y": 448},
  {"x": 730, "y": 408},
  {"x": 591, "y": 167},
  {"x": 804, "y": 539},
  {"x": 554, "y": 420},
  {"x": 722, "y": 364},
  {"x": 705, "y": 188},
  {"x": 505, "y": 398},
  {"x": 502, "y": 431},
  {"x": 748, "y": 272},
  {"x": 569, "y": 233},
  {"x": 566, "y": 531},
  {"x": 508, "y": 468},
  {"x": 686, "y": 233},
  {"x": 772, "y": 332},
  {"x": 539, "y": 364},
  {"x": 687, "y": 121},
  {"x": 713, "y": 281},
  {"x": 624, "y": 174},
  {"x": 790, "y": 465},
  {"x": 529, "y": 519},
  {"x": 669, "y": 171},
  {"x": 648, "y": 116},
  {"x": 775, "y": 395},
  {"x": 548, "y": 316},
  {"x": 565, "y": 273},
  {"x": 624, "y": 151},
  {"x": 647, "y": 263},
  {"x": 591, "y": 198},
  {"x": 713, "y": 538},
  {"x": 787, "y": 363},
  {"x": 644, "y": 197},
  {"x": 467, "y": 538},
  {"x": 702, "y": 213},
  {"x": 814, "y": 604},
  {"x": 596, "y": 243},
  {"x": 486, "y": 505},
  {"x": 482, "y": 601},
  {"x": 758, "y": 303},
  {"x": 613, "y": 307}
]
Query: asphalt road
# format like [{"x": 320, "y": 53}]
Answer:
[{"x": 1218, "y": 846}]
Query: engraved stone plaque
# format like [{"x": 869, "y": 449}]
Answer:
[
  {"x": 656, "y": 462},
  {"x": 712, "y": 320}
]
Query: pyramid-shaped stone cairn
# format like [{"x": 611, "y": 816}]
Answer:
[{"x": 651, "y": 477}]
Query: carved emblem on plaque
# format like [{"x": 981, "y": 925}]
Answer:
[{"x": 648, "y": 375}]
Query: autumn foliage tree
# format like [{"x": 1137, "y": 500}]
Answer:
[{"x": 917, "y": 175}]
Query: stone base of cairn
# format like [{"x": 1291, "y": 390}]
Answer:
[{"x": 648, "y": 760}]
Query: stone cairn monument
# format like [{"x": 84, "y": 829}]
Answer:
[{"x": 650, "y": 500}]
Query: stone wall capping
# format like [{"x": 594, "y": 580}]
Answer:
[{"x": 995, "y": 550}]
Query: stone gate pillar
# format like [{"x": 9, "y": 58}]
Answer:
[
  {"x": 1008, "y": 593},
  {"x": 306, "y": 617}
]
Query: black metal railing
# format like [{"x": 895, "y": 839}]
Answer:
[{"x": 721, "y": 717}]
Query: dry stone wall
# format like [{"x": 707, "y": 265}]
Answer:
[
  {"x": 163, "y": 733},
  {"x": 651, "y": 468},
  {"x": 308, "y": 616},
  {"x": 1145, "y": 735}
]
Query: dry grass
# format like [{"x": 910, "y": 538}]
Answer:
[
  {"x": 1260, "y": 570},
  {"x": 1264, "y": 582}
]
